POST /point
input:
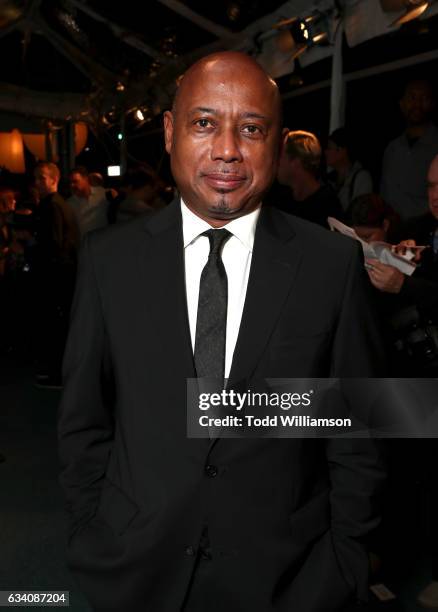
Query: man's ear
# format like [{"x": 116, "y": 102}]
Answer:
[
  {"x": 282, "y": 143},
  {"x": 283, "y": 139},
  {"x": 168, "y": 130}
]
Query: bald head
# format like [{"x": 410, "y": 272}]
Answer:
[
  {"x": 223, "y": 136},
  {"x": 228, "y": 63}
]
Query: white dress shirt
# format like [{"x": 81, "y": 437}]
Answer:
[
  {"x": 91, "y": 213},
  {"x": 404, "y": 172},
  {"x": 236, "y": 256}
]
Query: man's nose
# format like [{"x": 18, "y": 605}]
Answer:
[{"x": 226, "y": 146}]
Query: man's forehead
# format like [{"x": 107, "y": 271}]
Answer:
[
  {"x": 417, "y": 88},
  {"x": 238, "y": 73},
  {"x": 236, "y": 66}
]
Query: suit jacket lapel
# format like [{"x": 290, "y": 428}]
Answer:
[
  {"x": 275, "y": 261},
  {"x": 161, "y": 266}
]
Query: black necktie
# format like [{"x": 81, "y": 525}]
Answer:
[{"x": 211, "y": 320}]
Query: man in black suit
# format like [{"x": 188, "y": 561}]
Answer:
[
  {"x": 53, "y": 266},
  {"x": 165, "y": 523}
]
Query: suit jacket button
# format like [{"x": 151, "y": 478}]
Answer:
[
  {"x": 211, "y": 471},
  {"x": 190, "y": 551},
  {"x": 205, "y": 554}
]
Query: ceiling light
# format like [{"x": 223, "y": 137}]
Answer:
[
  {"x": 413, "y": 10},
  {"x": 297, "y": 34}
]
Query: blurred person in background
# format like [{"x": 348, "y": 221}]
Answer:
[
  {"x": 141, "y": 195},
  {"x": 407, "y": 157},
  {"x": 299, "y": 169},
  {"x": 408, "y": 304},
  {"x": 96, "y": 179},
  {"x": 349, "y": 178},
  {"x": 53, "y": 268},
  {"x": 88, "y": 202},
  {"x": 422, "y": 287},
  {"x": 372, "y": 219},
  {"x": 9, "y": 251},
  {"x": 14, "y": 281},
  {"x": 409, "y": 309}
]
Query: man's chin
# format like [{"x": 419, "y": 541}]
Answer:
[
  {"x": 229, "y": 211},
  {"x": 220, "y": 207}
]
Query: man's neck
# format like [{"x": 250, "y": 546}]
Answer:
[
  {"x": 84, "y": 195},
  {"x": 342, "y": 170},
  {"x": 303, "y": 189},
  {"x": 417, "y": 131},
  {"x": 49, "y": 194}
]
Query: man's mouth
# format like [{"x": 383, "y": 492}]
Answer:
[{"x": 224, "y": 181}]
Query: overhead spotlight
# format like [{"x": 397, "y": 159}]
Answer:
[
  {"x": 314, "y": 28},
  {"x": 154, "y": 68},
  {"x": 297, "y": 34},
  {"x": 139, "y": 114},
  {"x": 412, "y": 9},
  {"x": 108, "y": 118},
  {"x": 319, "y": 38},
  {"x": 412, "y": 13}
]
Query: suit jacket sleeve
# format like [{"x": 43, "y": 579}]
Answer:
[
  {"x": 357, "y": 467},
  {"x": 85, "y": 425},
  {"x": 358, "y": 349}
]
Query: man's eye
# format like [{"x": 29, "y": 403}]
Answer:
[
  {"x": 203, "y": 123},
  {"x": 252, "y": 129}
]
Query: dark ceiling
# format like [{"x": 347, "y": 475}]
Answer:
[
  {"x": 114, "y": 57},
  {"x": 76, "y": 46},
  {"x": 114, "y": 52}
]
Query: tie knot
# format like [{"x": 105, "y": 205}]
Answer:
[{"x": 217, "y": 238}]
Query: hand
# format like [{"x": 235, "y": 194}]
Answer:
[
  {"x": 385, "y": 278},
  {"x": 403, "y": 247}
]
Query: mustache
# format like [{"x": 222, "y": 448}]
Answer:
[{"x": 223, "y": 172}]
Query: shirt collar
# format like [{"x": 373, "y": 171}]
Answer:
[{"x": 243, "y": 228}]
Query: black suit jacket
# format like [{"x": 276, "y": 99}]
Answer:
[{"x": 286, "y": 518}]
